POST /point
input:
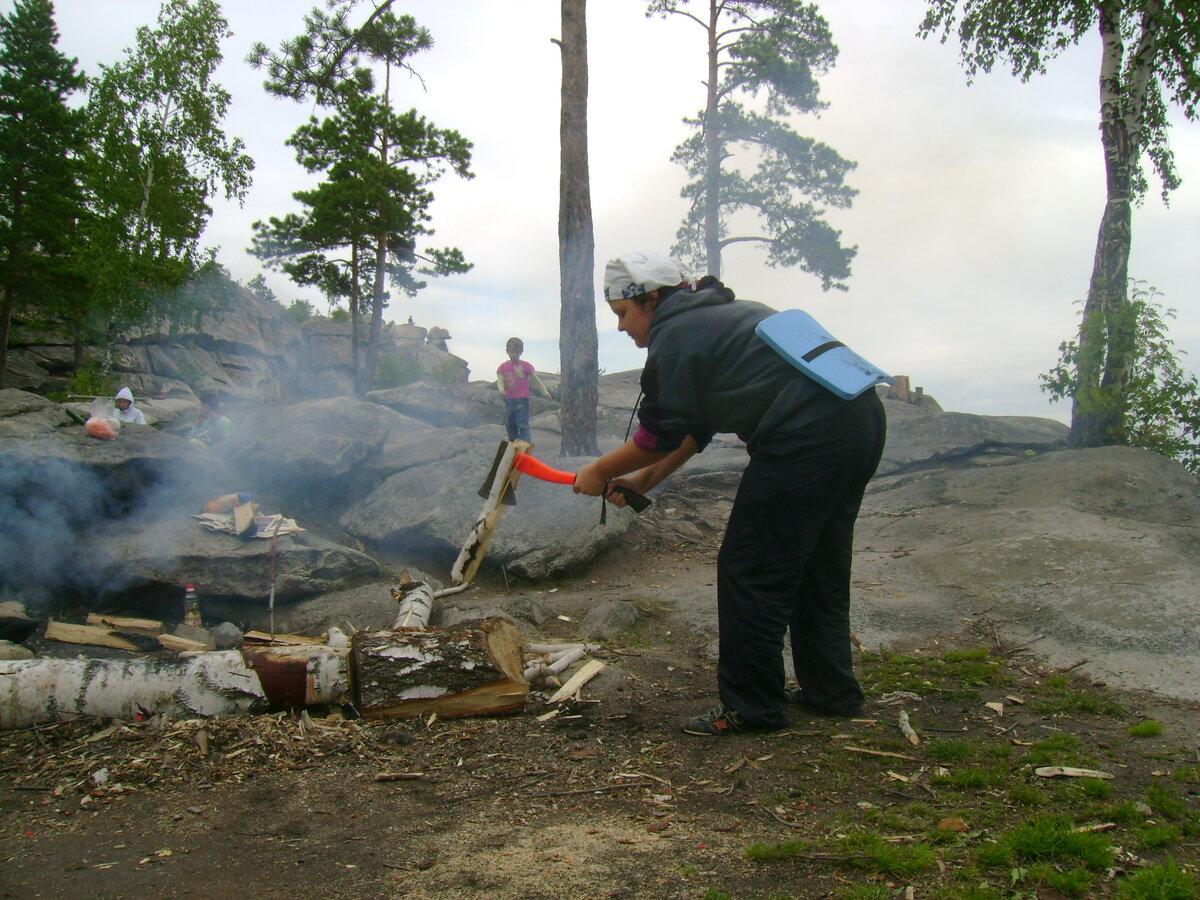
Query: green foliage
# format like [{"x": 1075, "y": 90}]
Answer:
[
  {"x": 1164, "y": 882},
  {"x": 863, "y": 892},
  {"x": 157, "y": 156},
  {"x": 1148, "y": 728},
  {"x": 362, "y": 228},
  {"x": 859, "y": 850},
  {"x": 1155, "y": 837},
  {"x": 339, "y": 314},
  {"x": 88, "y": 379},
  {"x": 1187, "y": 774},
  {"x": 301, "y": 311},
  {"x": 1164, "y": 801},
  {"x": 1160, "y": 401},
  {"x": 396, "y": 370},
  {"x": 1029, "y": 35},
  {"x": 747, "y": 164},
  {"x": 259, "y": 288},
  {"x": 41, "y": 138},
  {"x": 446, "y": 372},
  {"x": 949, "y": 750}
]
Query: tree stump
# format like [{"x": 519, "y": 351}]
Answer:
[{"x": 473, "y": 668}]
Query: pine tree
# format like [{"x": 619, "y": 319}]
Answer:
[{"x": 40, "y": 140}]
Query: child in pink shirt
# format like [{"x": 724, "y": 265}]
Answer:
[{"x": 513, "y": 384}]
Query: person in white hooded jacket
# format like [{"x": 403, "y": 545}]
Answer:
[{"x": 127, "y": 413}]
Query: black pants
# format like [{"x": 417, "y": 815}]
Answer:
[{"x": 785, "y": 564}]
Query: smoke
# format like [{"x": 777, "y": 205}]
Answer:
[
  {"x": 68, "y": 531},
  {"x": 46, "y": 507}
]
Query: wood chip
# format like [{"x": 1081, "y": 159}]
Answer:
[{"x": 1069, "y": 772}]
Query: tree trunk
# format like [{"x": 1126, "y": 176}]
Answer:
[
  {"x": 1106, "y": 332},
  {"x": 378, "y": 302},
  {"x": 578, "y": 342},
  {"x": 5, "y": 326},
  {"x": 712, "y": 151},
  {"x": 355, "y": 318}
]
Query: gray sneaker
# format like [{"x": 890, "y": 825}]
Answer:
[{"x": 717, "y": 721}]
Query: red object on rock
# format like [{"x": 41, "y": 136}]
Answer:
[{"x": 101, "y": 428}]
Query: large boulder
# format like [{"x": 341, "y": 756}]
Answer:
[
  {"x": 148, "y": 561},
  {"x": 84, "y": 521},
  {"x": 315, "y": 456},
  {"x": 922, "y": 437},
  {"x": 427, "y": 511},
  {"x": 452, "y": 405}
]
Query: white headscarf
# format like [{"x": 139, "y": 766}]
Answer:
[{"x": 635, "y": 274}]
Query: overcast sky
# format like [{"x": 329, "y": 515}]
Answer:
[{"x": 975, "y": 222}]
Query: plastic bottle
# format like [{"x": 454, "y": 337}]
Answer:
[{"x": 191, "y": 606}]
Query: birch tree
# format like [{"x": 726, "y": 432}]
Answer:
[
  {"x": 158, "y": 155},
  {"x": 1148, "y": 53}
]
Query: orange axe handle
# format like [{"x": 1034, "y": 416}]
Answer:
[{"x": 535, "y": 468}]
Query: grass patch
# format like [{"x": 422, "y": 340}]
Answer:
[
  {"x": 1061, "y": 697},
  {"x": 1051, "y": 838},
  {"x": 1148, "y": 728},
  {"x": 1162, "y": 882},
  {"x": 863, "y": 851}
]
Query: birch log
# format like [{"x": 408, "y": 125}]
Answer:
[
  {"x": 207, "y": 684},
  {"x": 471, "y": 669},
  {"x": 473, "y": 550},
  {"x": 416, "y": 604}
]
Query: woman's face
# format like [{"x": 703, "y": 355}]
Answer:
[{"x": 633, "y": 319}]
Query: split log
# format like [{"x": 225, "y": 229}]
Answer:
[
  {"x": 207, "y": 684},
  {"x": 504, "y": 479},
  {"x": 262, "y": 637},
  {"x": 473, "y": 668},
  {"x": 148, "y": 627},
  {"x": 586, "y": 673},
  {"x": 94, "y": 635}
]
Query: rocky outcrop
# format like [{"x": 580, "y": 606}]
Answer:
[
  {"x": 96, "y": 520},
  {"x": 249, "y": 350}
]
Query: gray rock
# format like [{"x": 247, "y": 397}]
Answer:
[
  {"x": 154, "y": 558},
  {"x": 446, "y": 405},
  {"x": 922, "y": 437},
  {"x": 608, "y": 620},
  {"x": 11, "y": 651},
  {"x": 457, "y": 608},
  {"x": 426, "y": 512},
  {"x": 226, "y": 636}
]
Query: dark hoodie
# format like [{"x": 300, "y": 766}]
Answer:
[{"x": 708, "y": 372}]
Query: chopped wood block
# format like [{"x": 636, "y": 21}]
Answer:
[
  {"x": 197, "y": 635},
  {"x": 473, "y": 668},
  {"x": 264, "y": 637},
  {"x": 96, "y": 635},
  {"x": 149, "y": 627},
  {"x": 586, "y": 673},
  {"x": 181, "y": 644}
]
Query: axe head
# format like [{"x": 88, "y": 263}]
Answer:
[{"x": 510, "y": 496}]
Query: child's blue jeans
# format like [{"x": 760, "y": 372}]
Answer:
[{"x": 516, "y": 419}]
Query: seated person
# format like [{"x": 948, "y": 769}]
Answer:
[{"x": 127, "y": 413}]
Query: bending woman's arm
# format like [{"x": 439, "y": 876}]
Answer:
[{"x": 650, "y": 469}]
